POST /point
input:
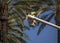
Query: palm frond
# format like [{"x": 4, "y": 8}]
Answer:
[
  {"x": 41, "y": 27},
  {"x": 17, "y": 32},
  {"x": 17, "y": 14},
  {"x": 15, "y": 38}
]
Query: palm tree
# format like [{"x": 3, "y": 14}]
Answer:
[
  {"x": 18, "y": 11},
  {"x": 11, "y": 30}
]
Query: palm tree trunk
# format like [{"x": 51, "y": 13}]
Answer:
[
  {"x": 57, "y": 17},
  {"x": 4, "y": 31},
  {"x": 3, "y": 20}
]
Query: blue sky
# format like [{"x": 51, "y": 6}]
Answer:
[{"x": 47, "y": 35}]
